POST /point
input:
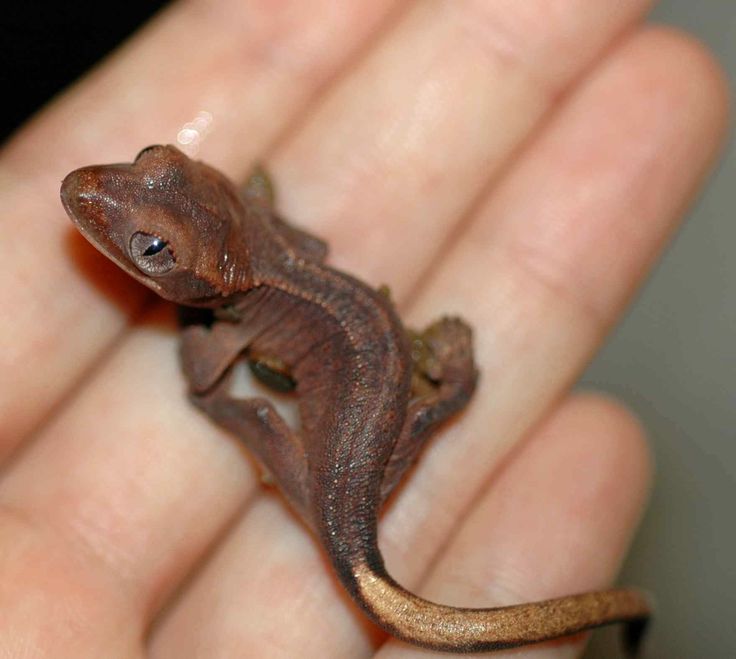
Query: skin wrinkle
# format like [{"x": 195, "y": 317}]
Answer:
[
  {"x": 286, "y": 37},
  {"x": 65, "y": 566},
  {"x": 513, "y": 40}
]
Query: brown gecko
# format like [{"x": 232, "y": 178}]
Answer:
[{"x": 369, "y": 392}]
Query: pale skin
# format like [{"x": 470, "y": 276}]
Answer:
[{"x": 129, "y": 525}]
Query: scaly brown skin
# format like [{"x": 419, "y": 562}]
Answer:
[{"x": 369, "y": 392}]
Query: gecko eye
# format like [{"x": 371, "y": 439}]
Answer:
[{"x": 151, "y": 254}]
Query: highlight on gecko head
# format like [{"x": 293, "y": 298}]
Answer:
[{"x": 165, "y": 219}]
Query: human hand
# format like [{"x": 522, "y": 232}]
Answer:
[{"x": 519, "y": 166}]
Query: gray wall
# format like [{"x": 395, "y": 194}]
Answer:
[{"x": 673, "y": 360}]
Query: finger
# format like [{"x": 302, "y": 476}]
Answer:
[
  {"x": 556, "y": 519},
  {"x": 129, "y": 486},
  {"x": 398, "y": 152},
  {"x": 558, "y": 248},
  {"x": 252, "y": 66},
  {"x": 254, "y": 594},
  {"x": 524, "y": 333}
]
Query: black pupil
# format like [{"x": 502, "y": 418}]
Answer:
[{"x": 155, "y": 247}]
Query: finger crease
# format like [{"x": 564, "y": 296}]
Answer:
[{"x": 557, "y": 282}]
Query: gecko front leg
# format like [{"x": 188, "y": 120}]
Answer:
[
  {"x": 264, "y": 432},
  {"x": 208, "y": 355}
]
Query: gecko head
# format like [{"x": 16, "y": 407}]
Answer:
[{"x": 169, "y": 221}]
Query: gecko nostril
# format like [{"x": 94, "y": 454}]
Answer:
[{"x": 75, "y": 187}]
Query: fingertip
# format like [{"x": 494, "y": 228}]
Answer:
[
  {"x": 620, "y": 434},
  {"x": 688, "y": 71}
]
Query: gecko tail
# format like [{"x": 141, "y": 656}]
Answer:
[{"x": 461, "y": 630}]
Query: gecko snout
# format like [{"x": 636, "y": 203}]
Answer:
[{"x": 87, "y": 199}]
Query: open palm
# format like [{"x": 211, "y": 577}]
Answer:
[{"x": 519, "y": 164}]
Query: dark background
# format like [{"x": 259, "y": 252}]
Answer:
[
  {"x": 45, "y": 46},
  {"x": 672, "y": 360}
]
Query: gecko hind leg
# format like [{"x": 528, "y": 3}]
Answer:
[
  {"x": 264, "y": 432},
  {"x": 443, "y": 380}
]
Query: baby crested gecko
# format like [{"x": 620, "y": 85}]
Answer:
[{"x": 369, "y": 392}]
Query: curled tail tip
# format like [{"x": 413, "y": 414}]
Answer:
[
  {"x": 635, "y": 630},
  {"x": 633, "y": 636}
]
